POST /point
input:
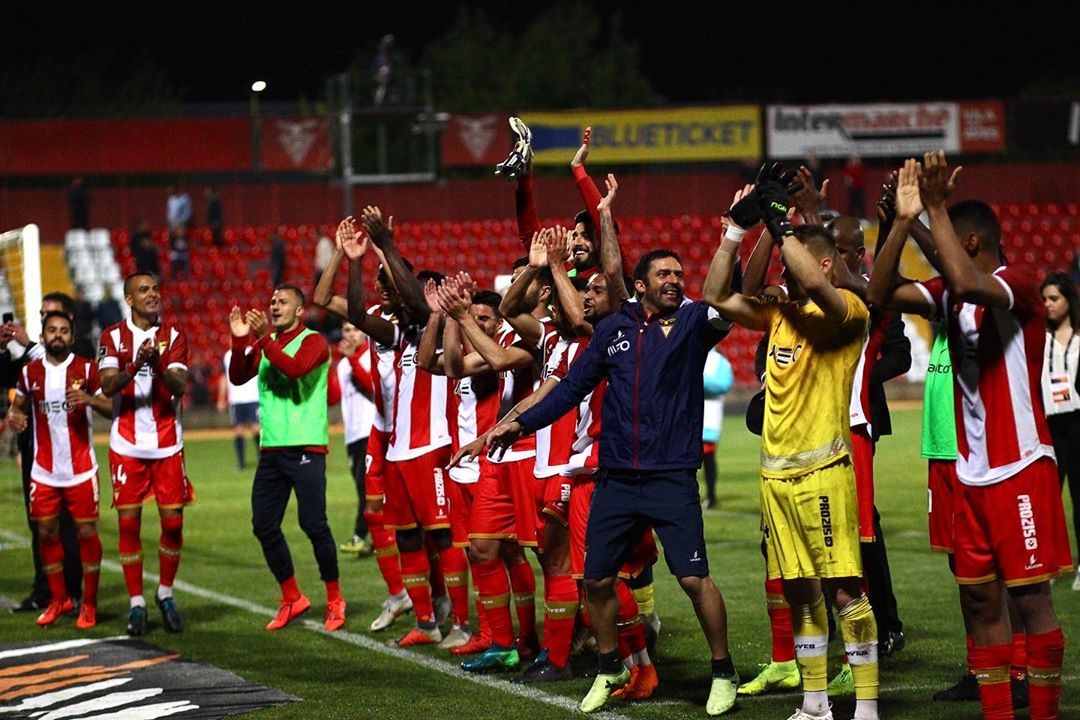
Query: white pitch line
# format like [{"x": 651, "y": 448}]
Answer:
[{"x": 428, "y": 663}]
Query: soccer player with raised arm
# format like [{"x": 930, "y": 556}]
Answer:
[
  {"x": 143, "y": 365},
  {"x": 809, "y": 512},
  {"x": 292, "y": 365},
  {"x": 60, "y": 389}
]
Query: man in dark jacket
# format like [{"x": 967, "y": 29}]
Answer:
[{"x": 652, "y": 353}]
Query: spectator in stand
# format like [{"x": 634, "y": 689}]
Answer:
[
  {"x": 108, "y": 310},
  {"x": 179, "y": 253},
  {"x": 382, "y": 72},
  {"x": 215, "y": 219},
  {"x": 1060, "y": 391},
  {"x": 718, "y": 379},
  {"x": 83, "y": 316},
  {"x": 178, "y": 209},
  {"x": 277, "y": 260},
  {"x": 144, "y": 250},
  {"x": 324, "y": 250},
  {"x": 79, "y": 204},
  {"x": 855, "y": 181}
]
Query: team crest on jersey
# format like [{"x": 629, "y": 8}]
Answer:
[
  {"x": 666, "y": 324},
  {"x": 784, "y": 356}
]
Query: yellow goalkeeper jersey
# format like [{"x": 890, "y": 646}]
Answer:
[{"x": 809, "y": 373}]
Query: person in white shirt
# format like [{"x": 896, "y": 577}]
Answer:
[
  {"x": 242, "y": 402},
  {"x": 357, "y": 413}
]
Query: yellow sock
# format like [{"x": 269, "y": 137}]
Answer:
[
  {"x": 859, "y": 629},
  {"x": 811, "y": 626},
  {"x": 646, "y": 599}
]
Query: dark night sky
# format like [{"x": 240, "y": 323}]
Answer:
[{"x": 692, "y": 52}]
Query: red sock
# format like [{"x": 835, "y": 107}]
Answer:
[
  {"x": 414, "y": 573},
  {"x": 386, "y": 553},
  {"x": 1019, "y": 662},
  {"x": 438, "y": 572},
  {"x": 52, "y": 562},
  {"x": 561, "y": 604},
  {"x": 90, "y": 555},
  {"x": 131, "y": 554},
  {"x": 523, "y": 582},
  {"x": 172, "y": 539},
  {"x": 631, "y": 629},
  {"x": 333, "y": 590},
  {"x": 1046, "y": 652},
  {"x": 290, "y": 591},
  {"x": 493, "y": 587},
  {"x": 991, "y": 667},
  {"x": 783, "y": 633},
  {"x": 456, "y": 570},
  {"x": 483, "y": 626}
]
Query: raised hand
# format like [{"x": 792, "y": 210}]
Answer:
[
  {"x": 431, "y": 295},
  {"x": 455, "y": 298},
  {"x": 14, "y": 331},
  {"x": 257, "y": 321},
  {"x": 744, "y": 211},
  {"x": 557, "y": 245},
  {"x": 886, "y": 206},
  {"x": 607, "y": 200},
  {"x": 807, "y": 198},
  {"x": 354, "y": 243},
  {"x": 345, "y": 229},
  {"x": 77, "y": 397},
  {"x": 147, "y": 353},
  {"x": 237, "y": 325},
  {"x": 346, "y": 348},
  {"x": 380, "y": 233},
  {"x": 583, "y": 151},
  {"x": 936, "y": 179},
  {"x": 908, "y": 203},
  {"x": 538, "y": 250}
]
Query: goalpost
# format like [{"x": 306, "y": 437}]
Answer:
[{"x": 20, "y": 276}]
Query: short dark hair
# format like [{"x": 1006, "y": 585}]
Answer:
[
  {"x": 544, "y": 277},
  {"x": 975, "y": 216},
  {"x": 132, "y": 276},
  {"x": 585, "y": 218},
  {"x": 1067, "y": 288},
  {"x": 57, "y": 314},
  {"x": 579, "y": 283},
  {"x": 292, "y": 288},
  {"x": 818, "y": 239},
  {"x": 385, "y": 272},
  {"x": 641, "y": 267},
  {"x": 63, "y": 298},
  {"x": 520, "y": 262},
  {"x": 490, "y": 298},
  {"x": 425, "y": 275}
]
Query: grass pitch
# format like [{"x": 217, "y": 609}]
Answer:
[{"x": 351, "y": 676}]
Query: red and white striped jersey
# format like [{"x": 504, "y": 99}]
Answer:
[
  {"x": 146, "y": 416},
  {"x": 357, "y": 410},
  {"x": 553, "y": 442},
  {"x": 63, "y": 435},
  {"x": 585, "y": 442},
  {"x": 860, "y": 389},
  {"x": 474, "y": 408},
  {"x": 420, "y": 405},
  {"x": 997, "y": 367},
  {"x": 516, "y": 385},
  {"x": 384, "y": 361}
]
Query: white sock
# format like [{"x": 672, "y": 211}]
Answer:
[
  {"x": 643, "y": 658},
  {"x": 164, "y": 591},
  {"x": 816, "y": 703},
  {"x": 866, "y": 710},
  {"x": 138, "y": 601}
]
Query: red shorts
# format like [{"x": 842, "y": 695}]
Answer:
[
  {"x": 643, "y": 555},
  {"x": 505, "y": 503},
  {"x": 1014, "y": 529},
  {"x": 556, "y": 500},
  {"x": 862, "y": 459},
  {"x": 374, "y": 483},
  {"x": 134, "y": 480},
  {"x": 941, "y": 489},
  {"x": 417, "y": 492},
  {"x": 461, "y": 500},
  {"x": 80, "y": 500}
]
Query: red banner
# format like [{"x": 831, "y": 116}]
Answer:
[
  {"x": 982, "y": 126},
  {"x": 73, "y": 147},
  {"x": 475, "y": 140}
]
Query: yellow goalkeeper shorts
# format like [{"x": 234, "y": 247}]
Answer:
[{"x": 811, "y": 524}]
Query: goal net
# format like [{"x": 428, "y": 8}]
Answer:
[{"x": 20, "y": 277}]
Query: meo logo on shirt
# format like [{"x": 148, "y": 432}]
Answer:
[{"x": 618, "y": 344}]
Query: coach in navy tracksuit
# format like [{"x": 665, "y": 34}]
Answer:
[{"x": 652, "y": 353}]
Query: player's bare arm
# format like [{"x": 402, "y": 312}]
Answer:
[
  {"x": 717, "y": 291},
  {"x": 324, "y": 291},
  {"x": 514, "y": 306},
  {"x": 427, "y": 355},
  {"x": 113, "y": 380},
  {"x": 488, "y": 354},
  {"x": 610, "y": 253},
  {"x": 17, "y": 414},
  {"x": 808, "y": 198},
  {"x": 354, "y": 246},
  {"x": 382, "y": 236},
  {"x": 570, "y": 302}
]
